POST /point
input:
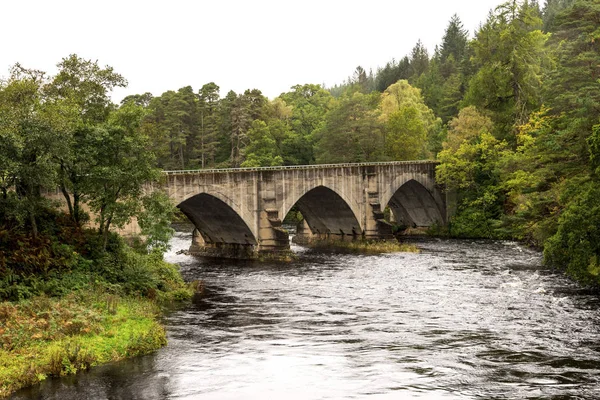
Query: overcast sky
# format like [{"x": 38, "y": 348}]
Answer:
[{"x": 268, "y": 45}]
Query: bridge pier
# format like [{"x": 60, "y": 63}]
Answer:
[
  {"x": 272, "y": 237},
  {"x": 203, "y": 248},
  {"x": 377, "y": 228}
]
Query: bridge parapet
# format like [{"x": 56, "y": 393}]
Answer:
[{"x": 408, "y": 164}]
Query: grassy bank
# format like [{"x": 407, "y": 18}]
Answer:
[
  {"x": 50, "y": 337},
  {"x": 70, "y": 301}
]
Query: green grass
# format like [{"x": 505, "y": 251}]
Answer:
[{"x": 45, "y": 337}]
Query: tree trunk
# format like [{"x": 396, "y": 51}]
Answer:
[
  {"x": 34, "y": 228},
  {"x": 76, "y": 208},
  {"x": 105, "y": 233},
  {"x": 67, "y": 197}
]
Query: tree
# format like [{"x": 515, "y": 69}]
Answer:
[
  {"x": 87, "y": 85},
  {"x": 419, "y": 61},
  {"x": 575, "y": 247},
  {"x": 470, "y": 161},
  {"x": 550, "y": 11},
  {"x": 139, "y": 99},
  {"x": 431, "y": 84},
  {"x": 454, "y": 42},
  {"x": 412, "y": 130},
  {"x": 30, "y": 141},
  {"x": 510, "y": 55},
  {"x": 262, "y": 149},
  {"x": 309, "y": 104},
  {"x": 208, "y": 104},
  {"x": 392, "y": 73},
  {"x": 352, "y": 131},
  {"x": 173, "y": 125},
  {"x": 554, "y": 162},
  {"x": 84, "y": 86},
  {"x": 240, "y": 123},
  {"x": 122, "y": 166},
  {"x": 361, "y": 80}
]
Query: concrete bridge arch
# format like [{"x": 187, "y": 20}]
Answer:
[{"x": 218, "y": 219}]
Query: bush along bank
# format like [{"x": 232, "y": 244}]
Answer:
[{"x": 68, "y": 303}]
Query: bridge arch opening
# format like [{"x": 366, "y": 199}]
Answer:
[
  {"x": 325, "y": 215},
  {"x": 412, "y": 205},
  {"x": 216, "y": 221}
]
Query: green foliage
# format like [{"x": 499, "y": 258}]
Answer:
[
  {"x": 155, "y": 220},
  {"x": 123, "y": 165},
  {"x": 65, "y": 258},
  {"x": 86, "y": 85},
  {"x": 392, "y": 73},
  {"x": 470, "y": 163},
  {"x": 510, "y": 57},
  {"x": 594, "y": 144},
  {"x": 512, "y": 115},
  {"x": 419, "y": 61},
  {"x": 309, "y": 105},
  {"x": 30, "y": 140},
  {"x": 575, "y": 247},
  {"x": 352, "y": 131},
  {"x": 454, "y": 44},
  {"x": 262, "y": 150},
  {"x": 411, "y": 128}
]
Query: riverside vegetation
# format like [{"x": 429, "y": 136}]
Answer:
[
  {"x": 73, "y": 296},
  {"x": 74, "y": 304},
  {"x": 512, "y": 114}
]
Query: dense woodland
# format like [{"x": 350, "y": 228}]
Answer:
[{"x": 512, "y": 114}]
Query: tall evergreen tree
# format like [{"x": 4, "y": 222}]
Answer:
[
  {"x": 208, "y": 130},
  {"x": 419, "y": 61},
  {"x": 454, "y": 42},
  {"x": 510, "y": 56},
  {"x": 392, "y": 73}
]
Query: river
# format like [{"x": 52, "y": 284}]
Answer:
[{"x": 460, "y": 320}]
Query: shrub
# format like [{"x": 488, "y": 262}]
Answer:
[{"x": 575, "y": 247}]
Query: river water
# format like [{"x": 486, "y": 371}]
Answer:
[{"x": 460, "y": 320}]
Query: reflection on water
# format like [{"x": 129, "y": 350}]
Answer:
[{"x": 461, "y": 320}]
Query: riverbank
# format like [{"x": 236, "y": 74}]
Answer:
[
  {"x": 68, "y": 302},
  {"x": 50, "y": 337}
]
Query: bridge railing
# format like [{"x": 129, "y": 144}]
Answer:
[{"x": 295, "y": 167}]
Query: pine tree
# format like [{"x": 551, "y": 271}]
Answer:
[{"x": 208, "y": 97}]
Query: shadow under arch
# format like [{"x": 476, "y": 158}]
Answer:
[
  {"x": 413, "y": 205},
  {"x": 327, "y": 213},
  {"x": 216, "y": 221}
]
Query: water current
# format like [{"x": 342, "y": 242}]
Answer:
[{"x": 459, "y": 320}]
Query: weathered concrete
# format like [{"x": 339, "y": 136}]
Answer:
[{"x": 238, "y": 212}]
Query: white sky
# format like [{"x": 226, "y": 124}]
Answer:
[{"x": 268, "y": 45}]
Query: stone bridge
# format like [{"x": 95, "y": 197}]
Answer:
[{"x": 239, "y": 212}]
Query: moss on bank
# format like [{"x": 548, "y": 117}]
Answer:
[
  {"x": 365, "y": 246},
  {"x": 50, "y": 337}
]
